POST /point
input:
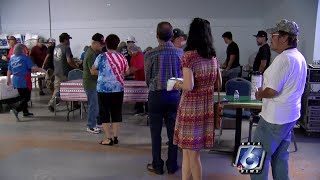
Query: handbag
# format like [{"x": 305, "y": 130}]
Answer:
[{"x": 218, "y": 108}]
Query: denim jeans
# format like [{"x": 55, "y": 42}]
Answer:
[
  {"x": 163, "y": 105},
  {"x": 275, "y": 140},
  {"x": 93, "y": 107}
]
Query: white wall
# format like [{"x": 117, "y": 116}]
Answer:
[
  {"x": 82, "y": 18},
  {"x": 316, "y": 53},
  {"x": 303, "y": 12},
  {"x": 18, "y": 16}
]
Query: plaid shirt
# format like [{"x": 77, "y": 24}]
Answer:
[{"x": 161, "y": 64}]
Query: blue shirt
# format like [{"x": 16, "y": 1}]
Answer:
[
  {"x": 112, "y": 67},
  {"x": 83, "y": 55},
  {"x": 20, "y": 67}
]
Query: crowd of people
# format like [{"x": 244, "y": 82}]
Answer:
[{"x": 188, "y": 116}]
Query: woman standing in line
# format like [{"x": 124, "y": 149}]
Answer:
[
  {"x": 112, "y": 66},
  {"x": 194, "y": 128}
]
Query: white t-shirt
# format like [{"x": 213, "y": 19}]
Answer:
[{"x": 287, "y": 75}]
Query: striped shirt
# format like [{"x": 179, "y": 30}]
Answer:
[
  {"x": 112, "y": 67},
  {"x": 162, "y": 63}
]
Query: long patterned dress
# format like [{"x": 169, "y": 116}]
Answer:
[{"x": 194, "y": 128}]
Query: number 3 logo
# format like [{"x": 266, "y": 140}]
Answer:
[{"x": 253, "y": 158}]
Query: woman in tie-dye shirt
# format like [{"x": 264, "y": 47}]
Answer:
[{"x": 112, "y": 66}]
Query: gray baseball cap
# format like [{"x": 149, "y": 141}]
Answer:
[{"x": 287, "y": 26}]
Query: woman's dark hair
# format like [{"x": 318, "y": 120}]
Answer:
[
  {"x": 292, "y": 39},
  {"x": 200, "y": 38},
  {"x": 112, "y": 41}
]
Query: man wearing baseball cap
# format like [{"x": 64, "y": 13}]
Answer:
[
  {"x": 283, "y": 86},
  {"x": 90, "y": 82},
  {"x": 262, "y": 60},
  {"x": 179, "y": 38},
  {"x": 124, "y": 50},
  {"x": 63, "y": 63},
  {"x": 12, "y": 42}
]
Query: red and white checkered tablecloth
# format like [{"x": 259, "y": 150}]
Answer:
[{"x": 134, "y": 91}]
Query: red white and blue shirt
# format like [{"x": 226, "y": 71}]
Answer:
[{"x": 111, "y": 67}]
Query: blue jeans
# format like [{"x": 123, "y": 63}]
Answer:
[
  {"x": 275, "y": 141},
  {"x": 163, "y": 105},
  {"x": 93, "y": 107}
]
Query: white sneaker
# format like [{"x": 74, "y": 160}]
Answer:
[
  {"x": 93, "y": 130},
  {"x": 97, "y": 129}
]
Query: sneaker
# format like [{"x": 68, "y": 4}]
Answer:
[
  {"x": 92, "y": 130},
  {"x": 15, "y": 114},
  {"x": 41, "y": 93},
  {"x": 97, "y": 129},
  {"x": 27, "y": 114}
]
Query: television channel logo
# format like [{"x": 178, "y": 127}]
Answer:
[{"x": 250, "y": 158}]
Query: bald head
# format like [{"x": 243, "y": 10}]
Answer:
[{"x": 164, "y": 31}]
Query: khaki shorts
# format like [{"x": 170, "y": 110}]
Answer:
[
  {"x": 49, "y": 79},
  {"x": 58, "y": 80}
]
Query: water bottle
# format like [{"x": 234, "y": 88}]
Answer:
[{"x": 236, "y": 95}]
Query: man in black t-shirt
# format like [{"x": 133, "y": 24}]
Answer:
[
  {"x": 231, "y": 66},
  {"x": 48, "y": 64},
  {"x": 262, "y": 60}
]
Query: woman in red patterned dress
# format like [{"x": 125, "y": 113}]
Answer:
[{"x": 194, "y": 128}]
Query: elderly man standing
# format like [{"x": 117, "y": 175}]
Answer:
[
  {"x": 38, "y": 55},
  {"x": 162, "y": 63},
  {"x": 90, "y": 82},
  {"x": 137, "y": 69},
  {"x": 12, "y": 42},
  {"x": 63, "y": 62},
  {"x": 283, "y": 86}
]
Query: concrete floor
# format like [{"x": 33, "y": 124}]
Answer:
[{"x": 47, "y": 147}]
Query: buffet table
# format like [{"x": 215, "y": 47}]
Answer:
[
  {"x": 7, "y": 93},
  {"x": 35, "y": 78}
]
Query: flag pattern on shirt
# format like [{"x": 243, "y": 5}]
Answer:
[
  {"x": 111, "y": 67},
  {"x": 118, "y": 64}
]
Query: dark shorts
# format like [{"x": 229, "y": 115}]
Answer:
[{"x": 110, "y": 107}]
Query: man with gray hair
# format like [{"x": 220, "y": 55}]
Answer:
[
  {"x": 20, "y": 66},
  {"x": 283, "y": 86},
  {"x": 162, "y": 63},
  {"x": 137, "y": 69}
]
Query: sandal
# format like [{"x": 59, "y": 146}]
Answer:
[{"x": 107, "y": 144}]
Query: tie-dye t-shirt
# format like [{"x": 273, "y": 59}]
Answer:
[{"x": 111, "y": 67}]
